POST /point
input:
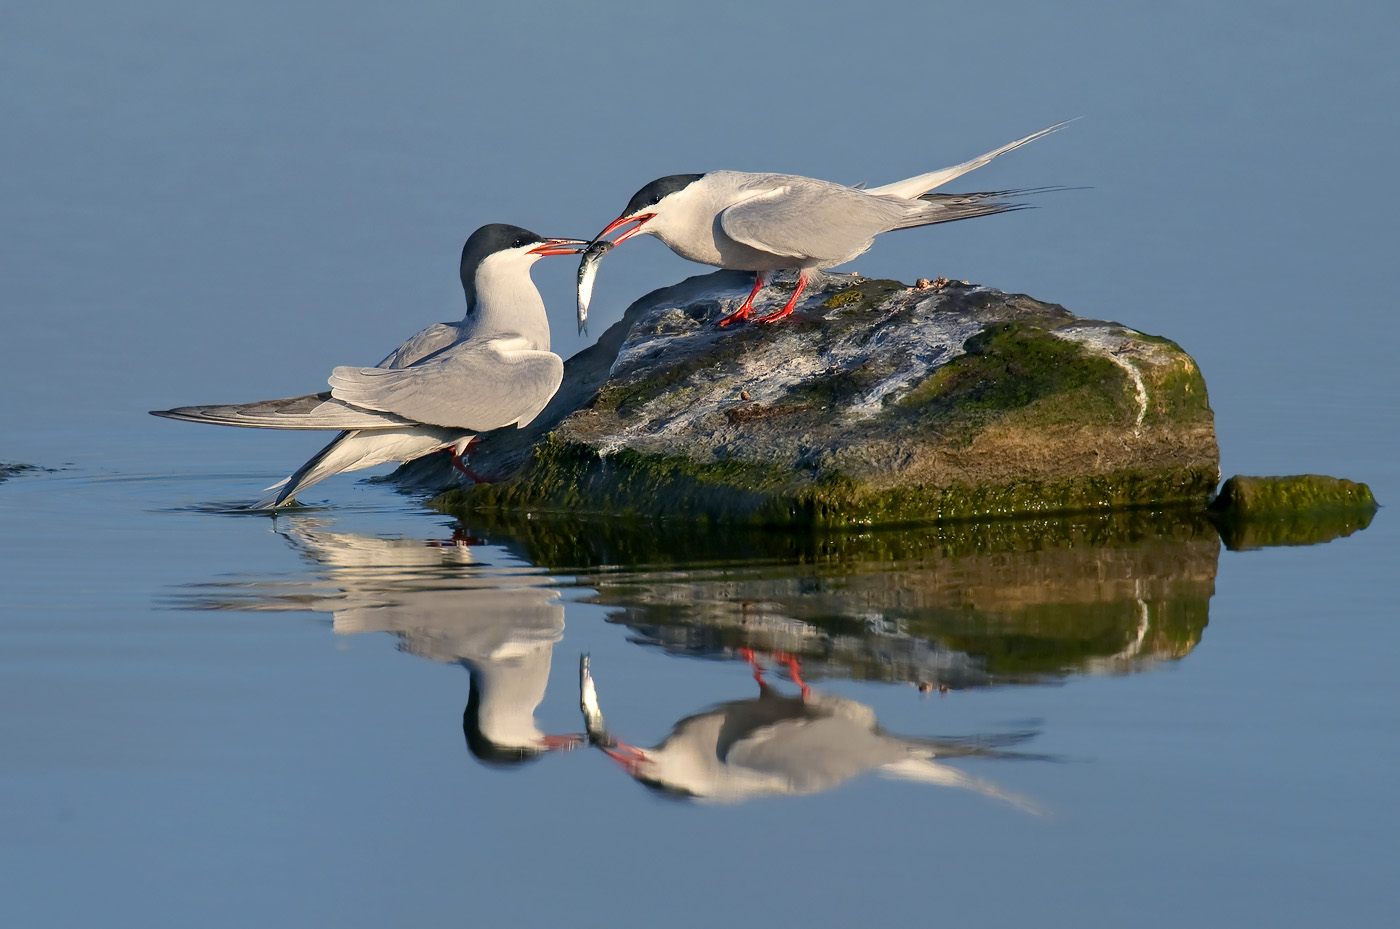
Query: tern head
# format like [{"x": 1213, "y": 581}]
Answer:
[
  {"x": 649, "y": 206},
  {"x": 506, "y": 248}
]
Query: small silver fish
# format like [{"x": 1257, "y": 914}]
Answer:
[
  {"x": 588, "y": 702},
  {"x": 587, "y": 271}
]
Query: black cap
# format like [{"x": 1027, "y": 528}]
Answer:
[
  {"x": 487, "y": 241},
  {"x": 651, "y": 194}
]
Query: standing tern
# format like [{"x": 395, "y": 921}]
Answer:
[
  {"x": 782, "y": 222},
  {"x": 438, "y": 389}
]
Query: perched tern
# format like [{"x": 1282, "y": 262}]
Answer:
[
  {"x": 438, "y": 389},
  {"x": 782, "y": 222}
]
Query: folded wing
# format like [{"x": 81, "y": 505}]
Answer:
[
  {"x": 810, "y": 220},
  {"x": 475, "y": 386}
]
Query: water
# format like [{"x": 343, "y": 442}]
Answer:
[{"x": 232, "y": 720}]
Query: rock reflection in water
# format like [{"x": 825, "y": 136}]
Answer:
[
  {"x": 939, "y": 607},
  {"x": 788, "y": 745},
  {"x": 953, "y": 606}
]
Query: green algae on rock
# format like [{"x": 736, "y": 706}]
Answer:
[
  {"x": 876, "y": 403},
  {"x": 1299, "y": 509},
  {"x": 1295, "y": 493}
]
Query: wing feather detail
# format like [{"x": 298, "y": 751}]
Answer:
[
  {"x": 810, "y": 220},
  {"x": 474, "y": 385},
  {"x": 312, "y": 411}
]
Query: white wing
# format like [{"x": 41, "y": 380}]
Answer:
[
  {"x": 807, "y": 220},
  {"x": 476, "y": 386}
]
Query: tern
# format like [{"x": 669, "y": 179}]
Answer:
[
  {"x": 439, "y": 389},
  {"x": 767, "y": 223},
  {"x": 778, "y": 745}
]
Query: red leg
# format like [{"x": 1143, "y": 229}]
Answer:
[
  {"x": 792, "y": 302},
  {"x": 460, "y": 538},
  {"x": 458, "y": 463},
  {"x": 746, "y": 307},
  {"x": 794, "y": 671},
  {"x": 748, "y": 655}
]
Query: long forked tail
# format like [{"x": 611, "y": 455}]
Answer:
[
  {"x": 924, "y": 771},
  {"x": 909, "y": 188},
  {"x": 354, "y": 449},
  {"x": 928, "y": 209},
  {"x": 317, "y": 468}
]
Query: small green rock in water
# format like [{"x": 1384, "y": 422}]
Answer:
[
  {"x": 1297, "y": 493},
  {"x": 1301, "y": 509}
]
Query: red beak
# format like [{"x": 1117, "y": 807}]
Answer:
[
  {"x": 558, "y": 247},
  {"x": 632, "y": 760},
  {"x": 640, "y": 219}
]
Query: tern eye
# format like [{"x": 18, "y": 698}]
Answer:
[
  {"x": 655, "y": 199},
  {"x": 520, "y": 241}
]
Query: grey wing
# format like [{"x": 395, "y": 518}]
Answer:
[
  {"x": 313, "y": 411},
  {"x": 809, "y": 219},
  {"x": 432, "y": 339},
  {"x": 475, "y": 386}
]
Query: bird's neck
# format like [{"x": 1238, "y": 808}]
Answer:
[
  {"x": 508, "y": 692},
  {"x": 688, "y": 226},
  {"x": 503, "y": 303}
]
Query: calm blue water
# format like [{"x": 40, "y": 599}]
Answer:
[{"x": 232, "y": 720}]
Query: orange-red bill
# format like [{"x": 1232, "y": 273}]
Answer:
[
  {"x": 621, "y": 221},
  {"x": 559, "y": 247}
]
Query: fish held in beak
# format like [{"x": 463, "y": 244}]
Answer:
[
  {"x": 588, "y": 702},
  {"x": 587, "y": 272}
]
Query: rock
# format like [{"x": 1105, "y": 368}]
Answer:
[
  {"x": 874, "y": 403},
  {"x": 1298, "y": 493},
  {"x": 9, "y": 470},
  {"x": 1301, "y": 509}
]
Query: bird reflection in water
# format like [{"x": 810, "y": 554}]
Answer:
[
  {"x": 777, "y": 744},
  {"x": 500, "y": 625}
]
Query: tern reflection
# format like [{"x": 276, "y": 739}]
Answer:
[
  {"x": 779, "y": 744},
  {"x": 501, "y": 625}
]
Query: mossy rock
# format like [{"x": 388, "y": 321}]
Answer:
[
  {"x": 1294, "y": 494},
  {"x": 1299, "y": 509},
  {"x": 874, "y": 404}
]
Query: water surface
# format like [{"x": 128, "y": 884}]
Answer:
[{"x": 233, "y": 720}]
